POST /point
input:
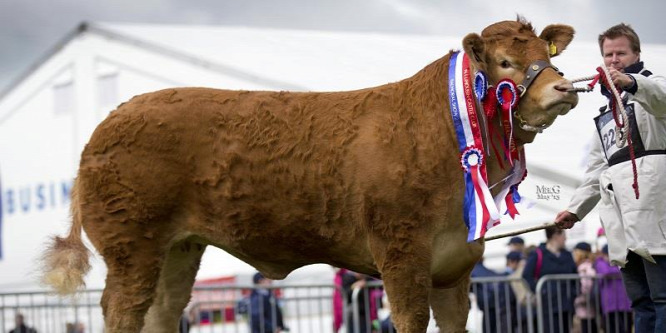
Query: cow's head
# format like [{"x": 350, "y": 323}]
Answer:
[{"x": 507, "y": 50}]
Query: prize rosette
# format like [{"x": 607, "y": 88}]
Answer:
[
  {"x": 507, "y": 97},
  {"x": 507, "y": 93},
  {"x": 480, "y": 209},
  {"x": 471, "y": 157},
  {"x": 480, "y": 85}
]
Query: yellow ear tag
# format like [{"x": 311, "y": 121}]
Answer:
[{"x": 552, "y": 49}]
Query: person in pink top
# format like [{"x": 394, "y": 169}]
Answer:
[
  {"x": 585, "y": 303},
  {"x": 615, "y": 304},
  {"x": 338, "y": 307}
]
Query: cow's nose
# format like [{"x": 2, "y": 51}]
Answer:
[{"x": 563, "y": 86}]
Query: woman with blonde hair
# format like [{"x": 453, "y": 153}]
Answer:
[{"x": 585, "y": 302}]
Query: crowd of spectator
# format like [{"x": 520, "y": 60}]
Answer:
[{"x": 592, "y": 301}]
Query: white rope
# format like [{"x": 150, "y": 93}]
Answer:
[
  {"x": 582, "y": 89},
  {"x": 623, "y": 113},
  {"x": 621, "y": 131},
  {"x": 585, "y": 78}
]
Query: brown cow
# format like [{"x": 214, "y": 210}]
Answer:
[{"x": 369, "y": 180}]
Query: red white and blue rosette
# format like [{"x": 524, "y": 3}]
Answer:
[
  {"x": 507, "y": 93},
  {"x": 470, "y": 158},
  {"x": 507, "y": 97},
  {"x": 480, "y": 85}
]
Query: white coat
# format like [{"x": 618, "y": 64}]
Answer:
[{"x": 631, "y": 224}]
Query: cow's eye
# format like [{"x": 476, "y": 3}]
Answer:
[{"x": 505, "y": 64}]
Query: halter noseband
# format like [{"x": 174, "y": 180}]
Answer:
[{"x": 533, "y": 71}]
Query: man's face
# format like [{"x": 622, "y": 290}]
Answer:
[
  {"x": 560, "y": 239},
  {"x": 517, "y": 247},
  {"x": 265, "y": 282},
  {"x": 618, "y": 54},
  {"x": 513, "y": 264}
]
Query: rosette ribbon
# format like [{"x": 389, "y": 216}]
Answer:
[
  {"x": 507, "y": 97},
  {"x": 479, "y": 208}
]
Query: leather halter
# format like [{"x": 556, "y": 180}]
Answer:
[{"x": 533, "y": 71}]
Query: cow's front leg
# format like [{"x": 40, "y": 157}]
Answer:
[
  {"x": 451, "y": 306},
  {"x": 404, "y": 263}
]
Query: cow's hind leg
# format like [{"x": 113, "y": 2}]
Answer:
[
  {"x": 451, "y": 306},
  {"x": 174, "y": 287},
  {"x": 134, "y": 266}
]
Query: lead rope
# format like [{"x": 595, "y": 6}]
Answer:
[{"x": 621, "y": 120}]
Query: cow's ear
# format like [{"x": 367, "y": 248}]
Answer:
[
  {"x": 475, "y": 48},
  {"x": 558, "y": 36}
]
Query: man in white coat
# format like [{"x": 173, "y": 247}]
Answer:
[{"x": 634, "y": 217}]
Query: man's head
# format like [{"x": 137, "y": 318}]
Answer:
[
  {"x": 513, "y": 259},
  {"x": 516, "y": 244},
  {"x": 260, "y": 279},
  {"x": 582, "y": 251},
  {"x": 556, "y": 237},
  {"x": 604, "y": 251},
  {"x": 18, "y": 319},
  {"x": 620, "y": 46}
]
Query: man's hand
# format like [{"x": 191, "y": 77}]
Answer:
[
  {"x": 620, "y": 79},
  {"x": 566, "y": 219}
]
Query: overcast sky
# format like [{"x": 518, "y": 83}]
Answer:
[{"x": 29, "y": 28}]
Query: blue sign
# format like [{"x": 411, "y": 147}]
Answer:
[{"x": 36, "y": 197}]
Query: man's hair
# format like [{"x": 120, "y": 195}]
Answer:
[
  {"x": 620, "y": 30},
  {"x": 550, "y": 231}
]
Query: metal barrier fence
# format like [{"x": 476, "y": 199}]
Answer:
[
  {"x": 588, "y": 304},
  {"x": 306, "y": 308},
  {"x": 562, "y": 303},
  {"x": 298, "y": 308},
  {"x": 498, "y": 306},
  {"x": 49, "y": 313}
]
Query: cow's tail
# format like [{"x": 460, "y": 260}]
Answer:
[{"x": 66, "y": 260}]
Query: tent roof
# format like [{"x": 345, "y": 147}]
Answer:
[
  {"x": 278, "y": 58},
  {"x": 299, "y": 59}
]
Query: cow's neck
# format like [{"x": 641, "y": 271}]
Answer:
[{"x": 431, "y": 82}]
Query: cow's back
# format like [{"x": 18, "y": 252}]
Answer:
[{"x": 236, "y": 169}]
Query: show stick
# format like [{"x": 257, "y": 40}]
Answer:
[{"x": 522, "y": 231}]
